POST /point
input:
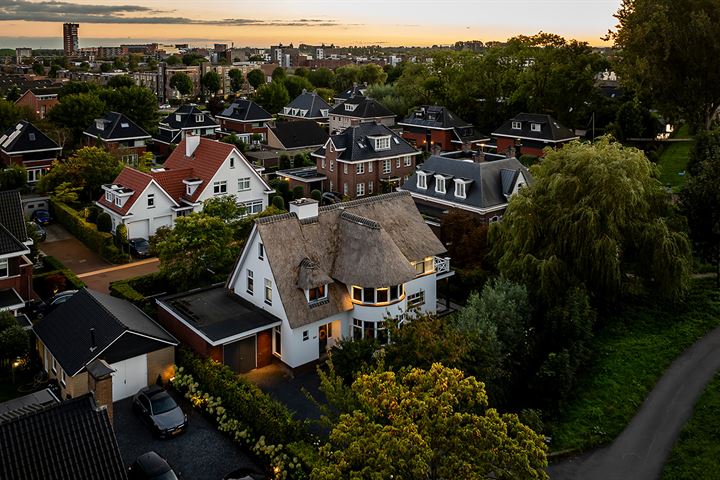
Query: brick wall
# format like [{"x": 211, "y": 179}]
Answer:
[
  {"x": 102, "y": 388},
  {"x": 188, "y": 337},
  {"x": 20, "y": 277}
]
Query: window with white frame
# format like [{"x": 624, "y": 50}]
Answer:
[
  {"x": 360, "y": 168},
  {"x": 421, "y": 180},
  {"x": 118, "y": 201},
  {"x": 277, "y": 340},
  {"x": 370, "y": 167},
  {"x": 250, "y": 282},
  {"x": 108, "y": 196},
  {"x": 54, "y": 366},
  {"x": 345, "y": 188},
  {"x": 408, "y": 161},
  {"x": 332, "y": 165},
  {"x": 63, "y": 382},
  {"x": 322, "y": 163},
  {"x": 370, "y": 187},
  {"x": 306, "y": 335},
  {"x": 130, "y": 159},
  {"x": 254, "y": 207},
  {"x": 535, "y": 127},
  {"x": 4, "y": 268},
  {"x": 151, "y": 200},
  {"x": 220, "y": 188},
  {"x": 34, "y": 174},
  {"x": 382, "y": 143},
  {"x": 232, "y": 162},
  {"x": 261, "y": 251},
  {"x": 439, "y": 184},
  {"x": 363, "y": 329},
  {"x": 416, "y": 299},
  {"x": 331, "y": 185},
  {"x": 460, "y": 189},
  {"x": 345, "y": 168},
  {"x": 317, "y": 294},
  {"x": 243, "y": 184},
  {"x": 387, "y": 166},
  {"x": 268, "y": 291},
  {"x": 360, "y": 189},
  {"x": 199, "y": 118},
  {"x": 397, "y": 163},
  {"x": 516, "y": 125}
]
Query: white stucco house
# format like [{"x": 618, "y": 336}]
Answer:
[
  {"x": 198, "y": 169},
  {"x": 312, "y": 276}
]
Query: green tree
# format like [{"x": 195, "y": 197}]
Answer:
[
  {"x": 372, "y": 74},
  {"x": 119, "y": 63},
  {"x": 316, "y": 195},
  {"x": 104, "y": 222},
  {"x": 66, "y": 193},
  {"x": 237, "y": 80},
  {"x": 295, "y": 85},
  {"x": 272, "y": 96},
  {"x": 14, "y": 342},
  {"x": 322, "y": 77},
  {"x": 53, "y": 72},
  {"x": 173, "y": 60},
  {"x": 76, "y": 112},
  {"x": 121, "y": 236},
  {"x": 301, "y": 72},
  {"x": 133, "y": 61},
  {"x": 139, "y": 104},
  {"x": 298, "y": 192},
  {"x": 278, "y": 202},
  {"x": 182, "y": 83},
  {"x": 89, "y": 168},
  {"x": 667, "y": 55},
  {"x": 38, "y": 69},
  {"x": 278, "y": 74},
  {"x": 10, "y": 114},
  {"x": 118, "y": 81},
  {"x": 106, "y": 67},
  {"x": 210, "y": 82},
  {"x": 345, "y": 77},
  {"x": 73, "y": 87},
  {"x": 594, "y": 215},
  {"x": 12, "y": 94},
  {"x": 193, "y": 59},
  {"x": 256, "y": 77},
  {"x": 225, "y": 207},
  {"x": 425, "y": 424},
  {"x": 13, "y": 177}
]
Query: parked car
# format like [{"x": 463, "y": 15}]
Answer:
[
  {"x": 160, "y": 411},
  {"x": 58, "y": 299},
  {"x": 246, "y": 474},
  {"x": 41, "y": 216},
  {"x": 39, "y": 231},
  {"x": 330, "y": 198},
  {"x": 165, "y": 106},
  {"x": 151, "y": 466},
  {"x": 139, "y": 247}
]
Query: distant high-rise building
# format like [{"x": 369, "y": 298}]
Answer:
[{"x": 70, "y": 39}]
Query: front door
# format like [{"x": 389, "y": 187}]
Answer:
[
  {"x": 323, "y": 334},
  {"x": 240, "y": 356}
]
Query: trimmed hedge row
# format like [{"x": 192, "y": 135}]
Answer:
[
  {"x": 244, "y": 400},
  {"x": 53, "y": 266},
  {"x": 99, "y": 242}
]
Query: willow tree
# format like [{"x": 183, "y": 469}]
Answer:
[
  {"x": 595, "y": 216},
  {"x": 668, "y": 53}
]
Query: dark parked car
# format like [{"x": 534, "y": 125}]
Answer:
[
  {"x": 39, "y": 231},
  {"x": 160, "y": 411},
  {"x": 41, "y": 216},
  {"x": 139, "y": 247},
  {"x": 330, "y": 198},
  {"x": 57, "y": 299},
  {"x": 151, "y": 466}
]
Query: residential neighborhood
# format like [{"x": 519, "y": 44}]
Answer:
[{"x": 338, "y": 241}]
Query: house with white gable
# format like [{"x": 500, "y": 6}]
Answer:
[
  {"x": 310, "y": 277},
  {"x": 198, "y": 169}
]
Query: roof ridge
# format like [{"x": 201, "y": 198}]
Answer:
[
  {"x": 363, "y": 201},
  {"x": 100, "y": 304},
  {"x": 360, "y": 220},
  {"x": 276, "y": 218},
  {"x": 22, "y": 413}
]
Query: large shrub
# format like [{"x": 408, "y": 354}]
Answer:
[{"x": 104, "y": 223}]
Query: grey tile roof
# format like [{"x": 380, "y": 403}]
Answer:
[
  {"x": 434, "y": 116},
  {"x": 243, "y": 110},
  {"x": 73, "y": 439},
  {"x": 117, "y": 126},
  {"x": 25, "y": 137},
  {"x": 550, "y": 129},
  {"x": 365, "y": 108},
  {"x": 309, "y": 105},
  {"x": 358, "y": 147},
  {"x": 300, "y": 134},
  {"x": 354, "y": 91},
  {"x": 66, "y": 330},
  {"x": 490, "y": 182},
  {"x": 186, "y": 117},
  {"x": 13, "y": 231}
]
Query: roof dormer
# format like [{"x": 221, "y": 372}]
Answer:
[
  {"x": 100, "y": 123},
  {"x": 191, "y": 185},
  {"x": 516, "y": 125},
  {"x": 380, "y": 142},
  {"x": 350, "y": 107},
  {"x": 461, "y": 187},
  {"x": 535, "y": 127}
]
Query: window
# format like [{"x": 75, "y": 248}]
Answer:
[
  {"x": 439, "y": 184},
  {"x": 278, "y": 340},
  {"x": 395, "y": 292},
  {"x": 199, "y": 118},
  {"x": 306, "y": 335},
  {"x": 261, "y": 251},
  {"x": 516, "y": 125},
  {"x": 332, "y": 166},
  {"x": 31, "y": 137},
  {"x": 460, "y": 189},
  {"x": 317, "y": 294},
  {"x": 494, "y": 219},
  {"x": 345, "y": 168},
  {"x": 382, "y": 295},
  {"x": 34, "y": 174},
  {"x": 386, "y": 166},
  {"x": 382, "y": 143},
  {"x": 253, "y": 208},
  {"x": 345, "y": 189},
  {"x": 130, "y": 159},
  {"x": 360, "y": 168},
  {"x": 54, "y": 366},
  {"x": 357, "y": 294},
  {"x": 368, "y": 295},
  {"x": 357, "y": 329},
  {"x": 62, "y": 378},
  {"x": 416, "y": 300},
  {"x": 421, "y": 180},
  {"x": 375, "y": 330},
  {"x": 243, "y": 184},
  {"x": 397, "y": 163},
  {"x": 232, "y": 162},
  {"x": 370, "y": 186},
  {"x": 268, "y": 291},
  {"x": 250, "y": 282},
  {"x": 370, "y": 167},
  {"x": 118, "y": 201},
  {"x": 535, "y": 127},
  {"x": 331, "y": 185},
  {"x": 220, "y": 188},
  {"x": 151, "y": 200},
  {"x": 108, "y": 196},
  {"x": 408, "y": 161},
  {"x": 360, "y": 189},
  {"x": 4, "y": 268},
  {"x": 322, "y": 163}
]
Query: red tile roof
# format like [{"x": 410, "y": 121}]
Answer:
[
  {"x": 130, "y": 178},
  {"x": 172, "y": 181},
  {"x": 205, "y": 162}
]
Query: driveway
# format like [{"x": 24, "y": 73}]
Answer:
[
  {"x": 201, "y": 453},
  {"x": 99, "y": 280},
  {"x": 640, "y": 452},
  {"x": 71, "y": 251}
]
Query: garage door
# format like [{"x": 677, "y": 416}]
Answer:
[
  {"x": 129, "y": 377},
  {"x": 139, "y": 229},
  {"x": 158, "y": 222},
  {"x": 240, "y": 356}
]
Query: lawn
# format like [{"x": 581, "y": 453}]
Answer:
[
  {"x": 630, "y": 354},
  {"x": 696, "y": 453},
  {"x": 674, "y": 159}
]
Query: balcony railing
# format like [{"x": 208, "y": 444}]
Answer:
[{"x": 442, "y": 265}]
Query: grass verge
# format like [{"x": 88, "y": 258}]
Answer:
[
  {"x": 674, "y": 159},
  {"x": 696, "y": 452},
  {"x": 631, "y": 353}
]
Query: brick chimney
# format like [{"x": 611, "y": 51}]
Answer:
[
  {"x": 479, "y": 156},
  {"x": 191, "y": 143},
  {"x": 100, "y": 383}
]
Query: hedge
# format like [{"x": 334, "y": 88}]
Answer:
[
  {"x": 99, "y": 242},
  {"x": 52, "y": 265},
  {"x": 243, "y": 400},
  {"x": 55, "y": 276}
]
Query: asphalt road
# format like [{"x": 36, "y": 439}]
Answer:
[
  {"x": 641, "y": 450},
  {"x": 200, "y": 453}
]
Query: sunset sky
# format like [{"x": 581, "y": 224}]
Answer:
[{"x": 38, "y": 23}]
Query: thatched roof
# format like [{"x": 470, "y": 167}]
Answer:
[
  {"x": 311, "y": 276},
  {"x": 369, "y": 242}
]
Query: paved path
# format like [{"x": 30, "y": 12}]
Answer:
[
  {"x": 640, "y": 452},
  {"x": 100, "y": 280},
  {"x": 71, "y": 251}
]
